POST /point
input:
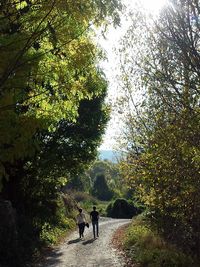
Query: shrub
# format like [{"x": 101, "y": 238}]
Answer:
[
  {"x": 149, "y": 250},
  {"x": 121, "y": 208},
  {"x": 83, "y": 197},
  {"x": 50, "y": 234},
  {"x": 69, "y": 204}
]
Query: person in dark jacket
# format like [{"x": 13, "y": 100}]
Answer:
[{"x": 94, "y": 216}]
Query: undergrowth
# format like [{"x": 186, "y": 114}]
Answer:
[
  {"x": 148, "y": 249},
  {"x": 86, "y": 202},
  {"x": 52, "y": 234}
]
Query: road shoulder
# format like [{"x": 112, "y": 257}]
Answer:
[{"x": 117, "y": 243}]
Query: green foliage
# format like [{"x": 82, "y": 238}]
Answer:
[
  {"x": 79, "y": 182},
  {"x": 86, "y": 202},
  {"x": 73, "y": 145},
  {"x": 162, "y": 134},
  {"x": 44, "y": 224},
  {"x": 52, "y": 111},
  {"x": 121, "y": 208},
  {"x": 49, "y": 235},
  {"x": 101, "y": 206},
  {"x": 112, "y": 174},
  {"x": 83, "y": 197},
  {"x": 146, "y": 248},
  {"x": 48, "y": 65},
  {"x": 103, "y": 167},
  {"x": 100, "y": 188}
]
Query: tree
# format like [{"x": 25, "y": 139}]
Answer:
[
  {"x": 101, "y": 189},
  {"x": 47, "y": 59},
  {"x": 49, "y": 84},
  {"x": 66, "y": 152},
  {"x": 111, "y": 172},
  {"x": 163, "y": 163},
  {"x": 73, "y": 145}
]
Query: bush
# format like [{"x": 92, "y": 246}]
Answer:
[
  {"x": 83, "y": 197},
  {"x": 149, "y": 250},
  {"x": 121, "y": 208},
  {"x": 51, "y": 234}
]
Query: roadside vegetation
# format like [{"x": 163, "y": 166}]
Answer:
[
  {"x": 147, "y": 249},
  {"x": 122, "y": 208},
  {"x": 87, "y": 201},
  {"x": 52, "y": 115},
  {"x": 160, "y": 65}
]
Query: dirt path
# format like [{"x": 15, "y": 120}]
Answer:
[{"x": 89, "y": 252}]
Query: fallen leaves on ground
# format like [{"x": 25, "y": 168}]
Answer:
[{"x": 117, "y": 243}]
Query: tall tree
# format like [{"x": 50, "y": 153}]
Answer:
[
  {"x": 163, "y": 162},
  {"x": 111, "y": 172},
  {"x": 47, "y": 58},
  {"x": 100, "y": 188},
  {"x": 49, "y": 83}
]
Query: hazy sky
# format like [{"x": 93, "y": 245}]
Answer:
[{"x": 111, "y": 65}]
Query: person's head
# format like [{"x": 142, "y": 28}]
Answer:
[
  {"x": 80, "y": 210},
  {"x": 94, "y": 208}
]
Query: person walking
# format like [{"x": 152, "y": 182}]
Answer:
[
  {"x": 81, "y": 220},
  {"x": 94, "y": 216}
]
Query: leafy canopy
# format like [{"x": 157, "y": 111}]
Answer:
[{"x": 47, "y": 58}]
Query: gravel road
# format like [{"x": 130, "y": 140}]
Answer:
[{"x": 88, "y": 252}]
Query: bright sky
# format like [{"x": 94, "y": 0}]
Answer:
[{"x": 111, "y": 66}]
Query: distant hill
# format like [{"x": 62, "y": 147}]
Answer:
[{"x": 110, "y": 155}]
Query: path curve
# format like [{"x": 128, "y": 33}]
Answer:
[{"x": 89, "y": 252}]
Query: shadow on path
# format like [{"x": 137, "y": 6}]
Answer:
[
  {"x": 73, "y": 241},
  {"x": 52, "y": 258},
  {"x": 88, "y": 241}
]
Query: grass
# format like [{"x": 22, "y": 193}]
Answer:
[
  {"x": 53, "y": 234},
  {"x": 148, "y": 249}
]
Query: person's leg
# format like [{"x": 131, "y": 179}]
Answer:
[
  {"x": 97, "y": 226},
  {"x": 83, "y": 229},
  {"x": 93, "y": 225},
  {"x": 79, "y": 226},
  {"x": 82, "y": 226}
]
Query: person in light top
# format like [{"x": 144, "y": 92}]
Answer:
[{"x": 81, "y": 220}]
